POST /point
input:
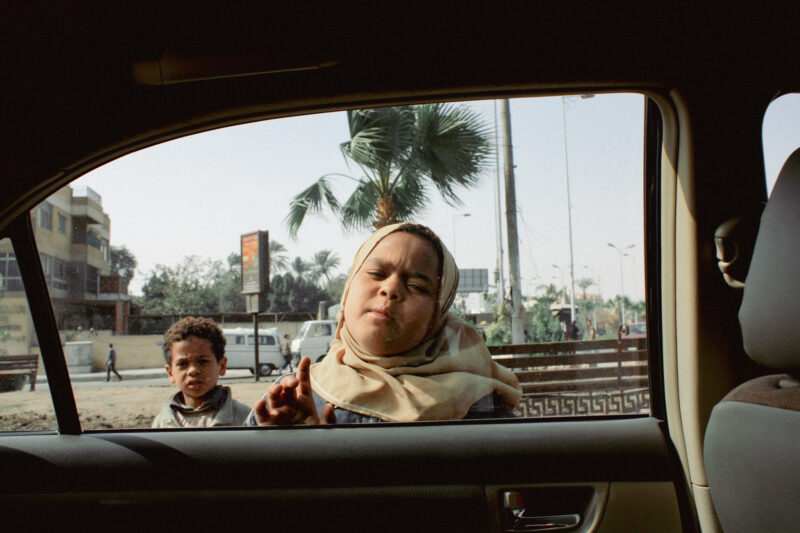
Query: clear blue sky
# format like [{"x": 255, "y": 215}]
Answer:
[{"x": 197, "y": 195}]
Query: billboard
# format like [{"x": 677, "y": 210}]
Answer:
[
  {"x": 473, "y": 280},
  {"x": 255, "y": 262}
]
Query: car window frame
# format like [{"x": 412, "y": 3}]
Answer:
[{"x": 21, "y": 234}]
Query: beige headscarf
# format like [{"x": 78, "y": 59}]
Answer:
[{"x": 439, "y": 379}]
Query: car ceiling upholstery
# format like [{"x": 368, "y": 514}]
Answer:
[{"x": 69, "y": 68}]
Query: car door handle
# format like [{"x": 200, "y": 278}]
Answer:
[{"x": 522, "y": 523}]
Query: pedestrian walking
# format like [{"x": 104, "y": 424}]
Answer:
[
  {"x": 111, "y": 363},
  {"x": 286, "y": 351}
]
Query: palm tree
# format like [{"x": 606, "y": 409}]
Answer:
[
  {"x": 300, "y": 268},
  {"x": 551, "y": 292},
  {"x": 619, "y": 303},
  {"x": 583, "y": 284},
  {"x": 324, "y": 262},
  {"x": 401, "y": 151},
  {"x": 638, "y": 309},
  {"x": 278, "y": 260}
]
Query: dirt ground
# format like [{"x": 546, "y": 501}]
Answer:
[{"x": 101, "y": 407}]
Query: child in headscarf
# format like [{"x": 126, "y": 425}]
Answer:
[{"x": 398, "y": 354}]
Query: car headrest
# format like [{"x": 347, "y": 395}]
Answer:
[{"x": 770, "y": 311}]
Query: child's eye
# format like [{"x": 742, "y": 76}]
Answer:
[
  {"x": 375, "y": 274},
  {"x": 419, "y": 288}
]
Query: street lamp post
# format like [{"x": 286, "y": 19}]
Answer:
[
  {"x": 621, "y": 252},
  {"x": 454, "y": 228}
]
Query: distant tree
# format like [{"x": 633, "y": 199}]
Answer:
[
  {"x": 228, "y": 287},
  {"x": 191, "y": 287},
  {"x": 585, "y": 283},
  {"x": 402, "y": 151},
  {"x": 637, "y": 311},
  {"x": 335, "y": 287},
  {"x": 278, "y": 260},
  {"x": 288, "y": 294},
  {"x": 551, "y": 292},
  {"x": 300, "y": 268},
  {"x": 235, "y": 262},
  {"x": 499, "y": 331},
  {"x": 586, "y": 305},
  {"x": 323, "y": 264},
  {"x": 616, "y": 303},
  {"x": 123, "y": 264},
  {"x": 544, "y": 326}
]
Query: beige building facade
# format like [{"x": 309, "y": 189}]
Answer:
[{"x": 72, "y": 234}]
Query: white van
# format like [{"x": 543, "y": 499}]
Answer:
[
  {"x": 240, "y": 349},
  {"x": 314, "y": 339}
]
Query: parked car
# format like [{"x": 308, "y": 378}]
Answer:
[
  {"x": 314, "y": 339},
  {"x": 636, "y": 330},
  {"x": 240, "y": 350},
  {"x": 87, "y": 84}
]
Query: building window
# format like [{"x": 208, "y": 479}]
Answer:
[
  {"x": 10, "y": 277},
  {"x": 59, "y": 274},
  {"x": 47, "y": 265},
  {"x": 46, "y": 216},
  {"x": 93, "y": 240},
  {"x": 92, "y": 277},
  {"x": 62, "y": 224}
]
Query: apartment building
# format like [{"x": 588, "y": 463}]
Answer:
[{"x": 72, "y": 233}]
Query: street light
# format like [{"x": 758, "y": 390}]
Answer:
[
  {"x": 454, "y": 228},
  {"x": 621, "y": 252}
]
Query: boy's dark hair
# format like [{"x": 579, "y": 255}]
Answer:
[{"x": 203, "y": 328}]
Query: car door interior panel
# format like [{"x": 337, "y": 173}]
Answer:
[{"x": 561, "y": 469}]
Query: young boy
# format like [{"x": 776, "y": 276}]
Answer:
[{"x": 194, "y": 349}]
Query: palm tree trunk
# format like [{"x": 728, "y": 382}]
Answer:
[{"x": 385, "y": 213}]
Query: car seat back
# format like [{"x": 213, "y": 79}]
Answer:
[{"x": 752, "y": 444}]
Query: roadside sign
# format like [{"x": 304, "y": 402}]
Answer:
[
  {"x": 255, "y": 262},
  {"x": 473, "y": 280}
]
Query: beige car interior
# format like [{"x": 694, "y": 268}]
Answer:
[{"x": 751, "y": 440}]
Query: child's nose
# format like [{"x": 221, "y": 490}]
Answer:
[{"x": 392, "y": 288}]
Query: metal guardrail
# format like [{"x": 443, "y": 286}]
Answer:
[{"x": 579, "y": 378}]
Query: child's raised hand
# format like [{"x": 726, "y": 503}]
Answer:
[{"x": 290, "y": 402}]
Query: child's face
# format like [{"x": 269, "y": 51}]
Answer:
[
  {"x": 194, "y": 369},
  {"x": 390, "y": 303}
]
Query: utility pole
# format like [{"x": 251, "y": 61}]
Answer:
[
  {"x": 569, "y": 215},
  {"x": 517, "y": 336},
  {"x": 501, "y": 283}
]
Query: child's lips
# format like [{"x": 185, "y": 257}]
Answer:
[{"x": 382, "y": 314}]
